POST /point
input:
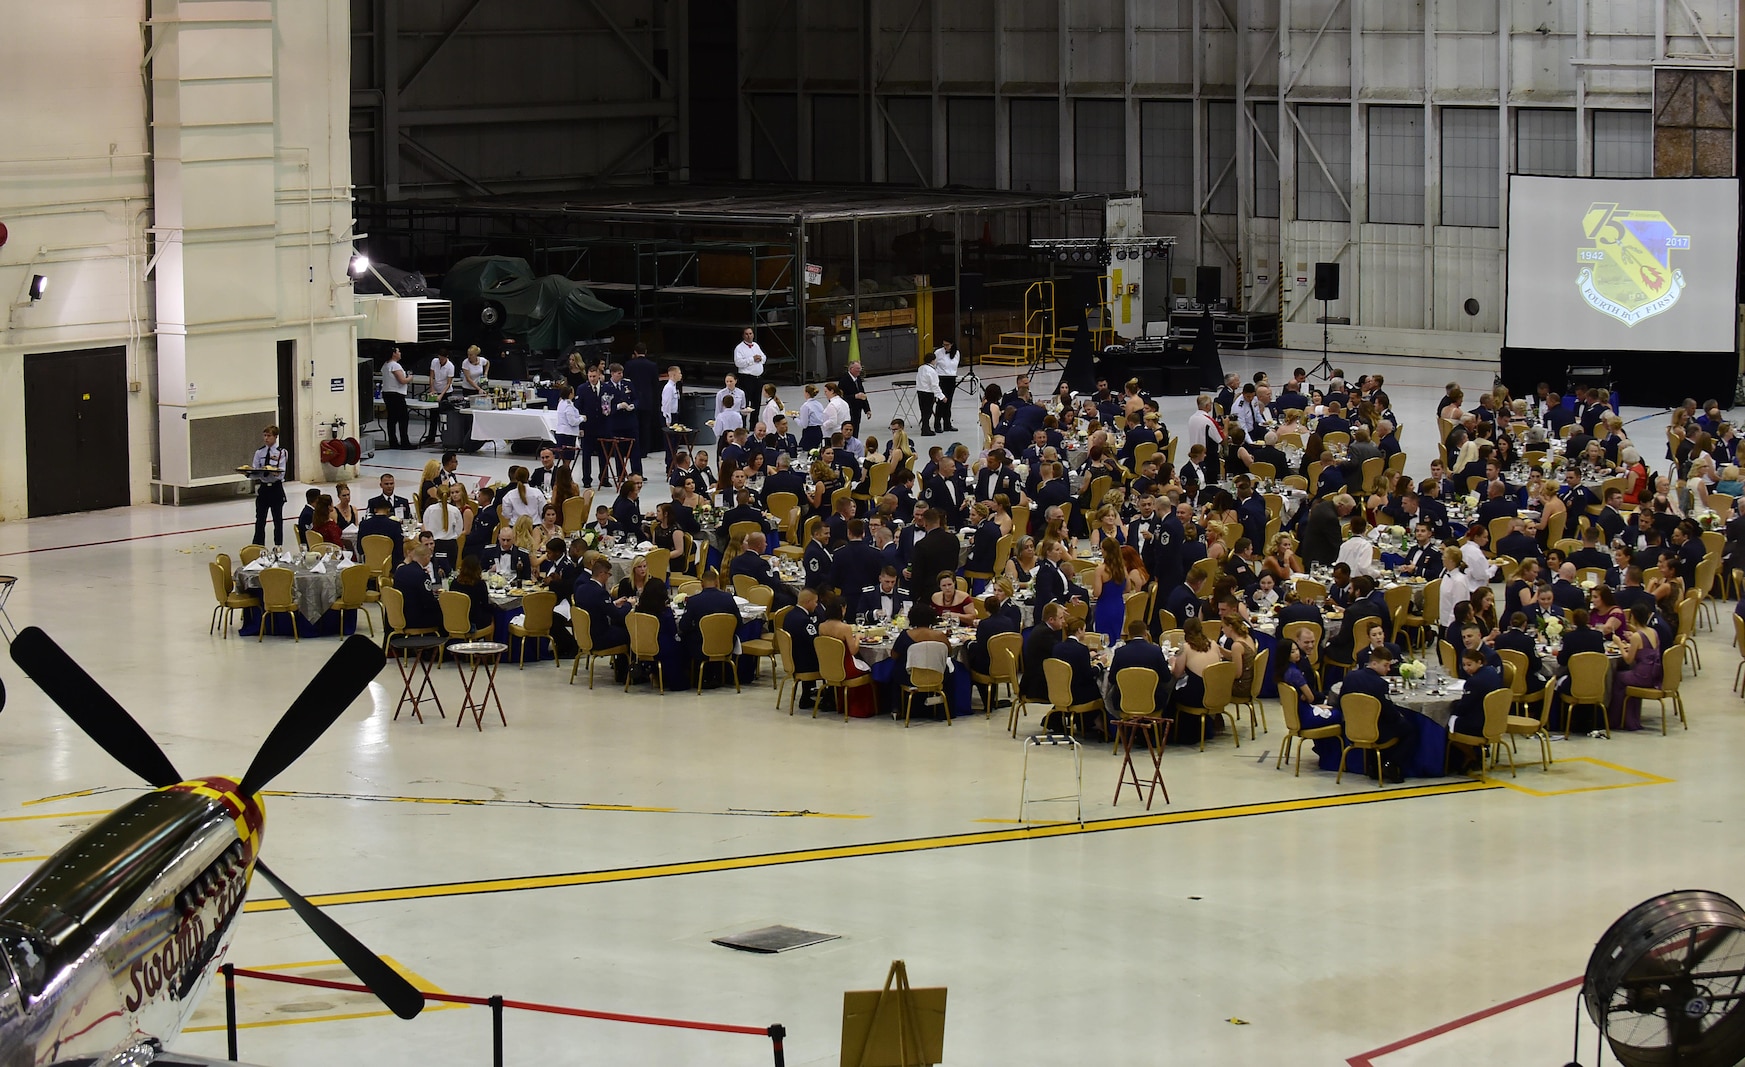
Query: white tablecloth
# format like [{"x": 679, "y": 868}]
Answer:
[{"x": 519, "y": 425}]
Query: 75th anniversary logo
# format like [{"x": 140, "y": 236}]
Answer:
[{"x": 1627, "y": 272}]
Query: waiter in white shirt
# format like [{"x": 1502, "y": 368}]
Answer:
[
  {"x": 836, "y": 411},
  {"x": 474, "y": 371},
  {"x": 748, "y": 356},
  {"x": 267, "y": 471},
  {"x": 394, "y": 383},
  {"x": 945, "y": 360},
  {"x": 670, "y": 396},
  {"x": 442, "y": 371}
]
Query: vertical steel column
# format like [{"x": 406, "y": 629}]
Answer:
[
  {"x": 941, "y": 117},
  {"x": 1002, "y": 106},
  {"x": 1287, "y": 172},
  {"x": 1584, "y": 156},
  {"x": 1505, "y": 141},
  {"x": 388, "y": 117},
  {"x": 1202, "y": 153},
  {"x": 1244, "y": 175},
  {"x": 1352, "y": 290},
  {"x": 1432, "y": 164},
  {"x": 802, "y": 103},
  {"x": 1064, "y": 161}
]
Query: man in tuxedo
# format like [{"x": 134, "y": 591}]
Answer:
[
  {"x": 412, "y": 580},
  {"x": 887, "y": 599},
  {"x": 378, "y": 521},
  {"x": 1631, "y": 591},
  {"x": 852, "y": 388},
  {"x": 1226, "y": 397},
  {"x": 712, "y": 599},
  {"x": 1610, "y": 518},
  {"x": 936, "y": 551},
  {"x": 506, "y": 559},
  {"x": 997, "y": 477},
  {"x": 1687, "y": 540},
  {"x": 944, "y": 494},
  {"x": 1557, "y": 416},
  {"x": 398, "y": 506},
  {"x": 605, "y": 615},
  {"x": 1424, "y": 558},
  {"x": 855, "y": 568},
  {"x": 753, "y": 565},
  {"x": 801, "y": 625},
  {"x": 1482, "y": 679},
  {"x": 1518, "y": 543},
  {"x": 547, "y": 469},
  {"x": 1371, "y": 680},
  {"x": 1054, "y": 585}
]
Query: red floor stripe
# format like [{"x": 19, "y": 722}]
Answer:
[
  {"x": 1367, "y": 1059},
  {"x": 124, "y": 540}
]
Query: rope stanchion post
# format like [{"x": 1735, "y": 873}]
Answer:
[
  {"x": 229, "y": 970},
  {"x": 776, "y": 1033},
  {"x": 497, "y": 1031}
]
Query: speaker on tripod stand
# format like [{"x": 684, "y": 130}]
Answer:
[{"x": 1326, "y": 291}]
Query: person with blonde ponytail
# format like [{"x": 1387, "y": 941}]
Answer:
[{"x": 521, "y": 499}]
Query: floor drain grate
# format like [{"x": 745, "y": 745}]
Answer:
[{"x": 774, "y": 939}]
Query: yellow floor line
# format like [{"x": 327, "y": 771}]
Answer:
[
  {"x": 877, "y": 848},
  {"x": 1647, "y": 779},
  {"x": 65, "y": 796},
  {"x": 558, "y": 805},
  {"x": 57, "y": 815}
]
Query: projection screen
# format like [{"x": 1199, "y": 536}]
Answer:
[{"x": 1630, "y": 265}]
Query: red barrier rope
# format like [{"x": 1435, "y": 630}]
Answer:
[{"x": 523, "y": 1005}]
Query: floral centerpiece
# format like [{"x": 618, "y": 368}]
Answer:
[
  {"x": 1413, "y": 671},
  {"x": 1399, "y": 534},
  {"x": 590, "y": 539},
  {"x": 1709, "y": 520},
  {"x": 1552, "y": 627},
  {"x": 1471, "y": 500},
  {"x": 679, "y": 599}
]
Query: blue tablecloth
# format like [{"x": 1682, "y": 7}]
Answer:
[
  {"x": 1423, "y": 759},
  {"x": 888, "y": 679},
  {"x": 329, "y": 625}
]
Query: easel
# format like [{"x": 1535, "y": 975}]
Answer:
[{"x": 897, "y": 1026}]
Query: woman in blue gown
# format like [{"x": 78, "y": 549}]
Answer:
[
  {"x": 1109, "y": 586},
  {"x": 674, "y": 660}
]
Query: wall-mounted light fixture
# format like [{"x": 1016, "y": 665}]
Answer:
[{"x": 38, "y": 287}]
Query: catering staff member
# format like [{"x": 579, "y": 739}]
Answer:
[
  {"x": 268, "y": 475},
  {"x": 945, "y": 360},
  {"x": 442, "y": 371},
  {"x": 670, "y": 395},
  {"x": 473, "y": 372},
  {"x": 394, "y": 383},
  {"x": 748, "y": 356}
]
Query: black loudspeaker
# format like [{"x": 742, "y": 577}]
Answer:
[
  {"x": 1326, "y": 281},
  {"x": 1208, "y": 285},
  {"x": 970, "y": 290}
]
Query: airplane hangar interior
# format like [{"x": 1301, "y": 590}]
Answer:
[{"x": 871, "y": 532}]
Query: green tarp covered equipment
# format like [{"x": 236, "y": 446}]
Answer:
[{"x": 547, "y": 313}]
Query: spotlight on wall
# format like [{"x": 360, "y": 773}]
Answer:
[
  {"x": 38, "y": 287},
  {"x": 360, "y": 265}
]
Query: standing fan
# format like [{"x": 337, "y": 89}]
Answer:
[{"x": 1666, "y": 984}]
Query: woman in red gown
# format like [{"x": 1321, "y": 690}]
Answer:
[{"x": 862, "y": 702}]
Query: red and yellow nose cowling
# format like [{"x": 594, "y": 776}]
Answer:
[{"x": 245, "y": 811}]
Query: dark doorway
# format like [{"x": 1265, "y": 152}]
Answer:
[
  {"x": 714, "y": 89},
  {"x": 288, "y": 406},
  {"x": 75, "y": 421}
]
